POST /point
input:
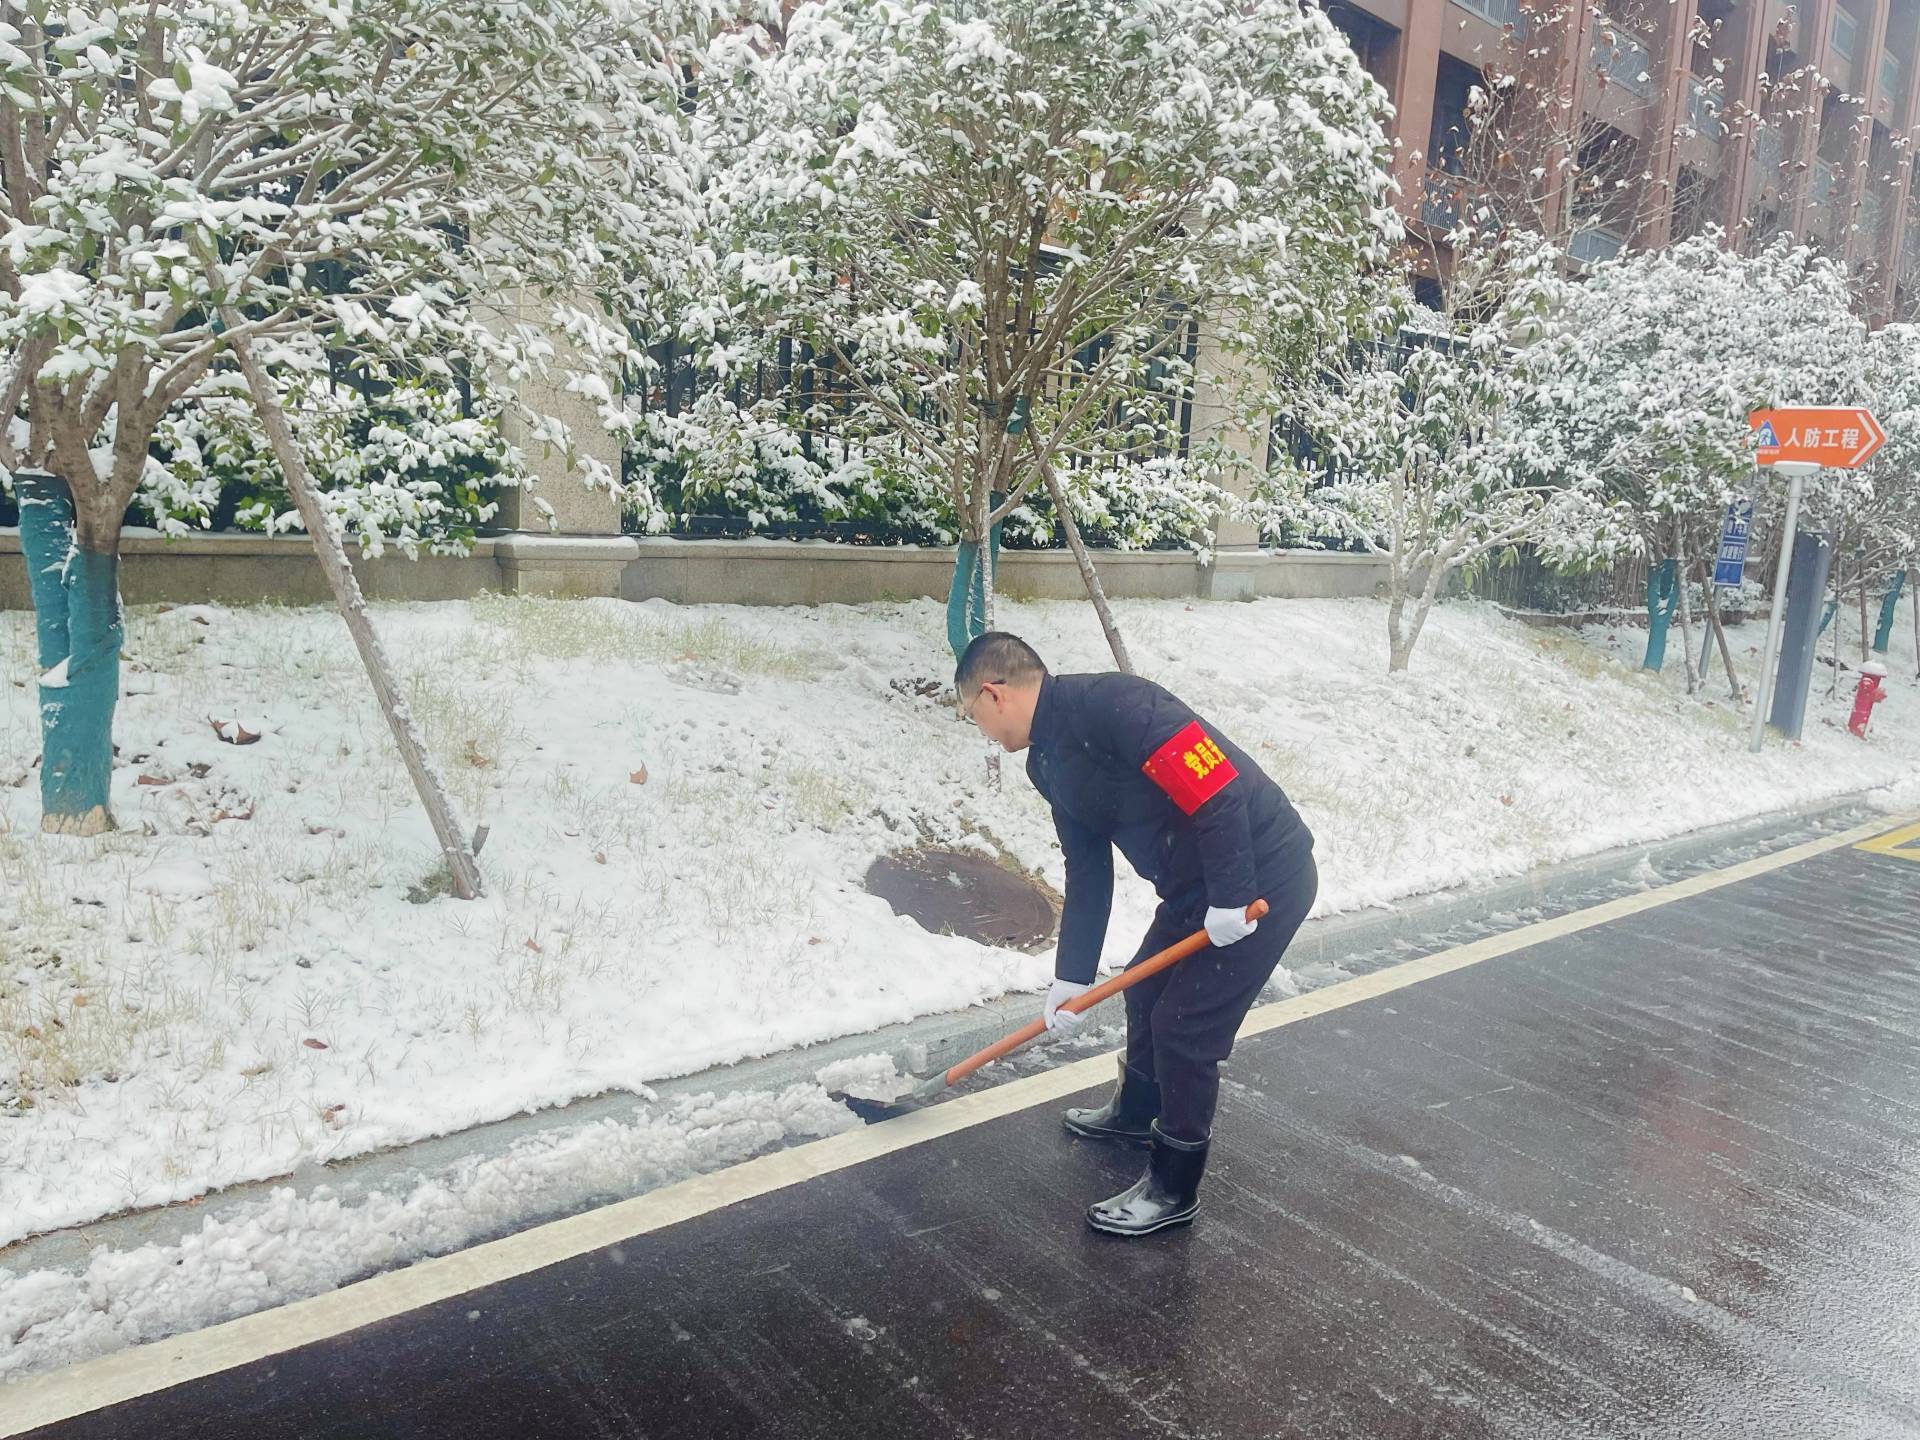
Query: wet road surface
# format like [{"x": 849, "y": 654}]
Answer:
[{"x": 1657, "y": 1178}]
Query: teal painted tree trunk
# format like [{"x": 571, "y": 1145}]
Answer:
[
  {"x": 1883, "y": 633},
  {"x": 78, "y": 624},
  {"x": 967, "y": 596},
  {"x": 1663, "y": 596}
]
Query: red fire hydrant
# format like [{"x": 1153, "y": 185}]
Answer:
[{"x": 1869, "y": 693}]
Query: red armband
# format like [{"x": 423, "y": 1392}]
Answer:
[{"x": 1190, "y": 768}]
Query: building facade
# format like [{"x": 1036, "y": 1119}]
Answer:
[{"x": 1633, "y": 123}]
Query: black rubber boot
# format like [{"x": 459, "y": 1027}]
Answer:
[
  {"x": 1126, "y": 1119},
  {"x": 1167, "y": 1195}
]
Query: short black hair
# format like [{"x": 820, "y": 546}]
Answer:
[{"x": 996, "y": 658}]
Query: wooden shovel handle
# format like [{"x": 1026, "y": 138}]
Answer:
[{"x": 1130, "y": 976}]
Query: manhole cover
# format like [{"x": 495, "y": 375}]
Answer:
[{"x": 951, "y": 892}]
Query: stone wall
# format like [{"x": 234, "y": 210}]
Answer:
[
  {"x": 231, "y": 569},
  {"x": 244, "y": 569}
]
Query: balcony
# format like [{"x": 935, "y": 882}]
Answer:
[
  {"x": 1446, "y": 200},
  {"x": 1499, "y": 12},
  {"x": 1591, "y": 245},
  {"x": 1703, "y": 111},
  {"x": 1442, "y": 200},
  {"x": 1624, "y": 60}
]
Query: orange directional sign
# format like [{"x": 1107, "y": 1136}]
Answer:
[{"x": 1842, "y": 437}]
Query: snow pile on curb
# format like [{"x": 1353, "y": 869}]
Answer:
[
  {"x": 288, "y": 1246},
  {"x": 866, "y": 1077}
]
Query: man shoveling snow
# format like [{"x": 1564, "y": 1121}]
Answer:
[{"x": 1124, "y": 763}]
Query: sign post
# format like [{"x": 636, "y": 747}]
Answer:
[
  {"x": 1730, "y": 564},
  {"x": 1798, "y": 440}
]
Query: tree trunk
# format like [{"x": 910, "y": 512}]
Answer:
[
  {"x": 989, "y": 565},
  {"x": 989, "y": 555},
  {"x": 1866, "y": 640},
  {"x": 1399, "y": 651},
  {"x": 969, "y": 601},
  {"x": 1720, "y": 636},
  {"x": 79, "y": 628},
  {"x": 1889, "y": 607},
  {"x": 462, "y": 869},
  {"x": 1830, "y": 604},
  {"x": 1404, "y": 634},
  {"x": 1833, "y": 682},
  {"x": 1088, "y": 575},
  {"x": 1683, "y": 591},
  {"x": 1662, "y": 586}
]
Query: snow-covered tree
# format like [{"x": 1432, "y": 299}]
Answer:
[
  {"x": 1873, "y": 513},
  {"x": 1002, "y": 221},
  {"x": 1416, "y": 451},
  {"x": 1645, "y": 383},
  {"x": 189, "y": 187}
]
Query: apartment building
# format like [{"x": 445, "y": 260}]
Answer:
[{"x": 1632, "y": 123}]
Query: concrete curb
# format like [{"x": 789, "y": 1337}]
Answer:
[{"x": 1326, "y": 950}]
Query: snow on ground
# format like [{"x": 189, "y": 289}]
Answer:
[{"x": 255, "y": 972}]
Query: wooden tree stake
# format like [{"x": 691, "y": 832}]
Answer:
[{"x": 461, "y": 865}]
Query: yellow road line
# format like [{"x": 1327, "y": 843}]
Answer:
[
  {"x": 145, "y": 1369},
  {"x": 1902, "y": 844}
]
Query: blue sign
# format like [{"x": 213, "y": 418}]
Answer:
[{"x": 1731, "y": 565}]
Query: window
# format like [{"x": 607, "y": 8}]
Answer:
[
  {"x": 1846, "y": 33},
  {"x": 1693, "y": 195},
  {"x": 1873, "y": 214},
  {"x": 1623, "y": 58},
  {"x": 1454, "y": 85},
  {"x": 1893, "y": 83},
  {"x": 1821, "y": 184},
  {"x": 1703, "y": 111},
  {"x": 1371, "y": 41},
  {"x": 1500, "y": 12}
]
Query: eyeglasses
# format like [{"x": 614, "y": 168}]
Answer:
[{"x": 966, "y": 708}]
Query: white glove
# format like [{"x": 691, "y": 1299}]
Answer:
[
  {"x": 1064, "y": 1022},
  {"x": 1224, "y": 927}
]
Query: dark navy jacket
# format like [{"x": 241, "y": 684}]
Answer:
[{"x": 1093, "y": 739}]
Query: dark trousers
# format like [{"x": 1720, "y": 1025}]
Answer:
[{"x": 1181, "y": 1023}]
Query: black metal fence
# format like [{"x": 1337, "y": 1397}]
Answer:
[
  {"x": 819, "y": 397},
  {"x": 1524, "y": 581}
]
